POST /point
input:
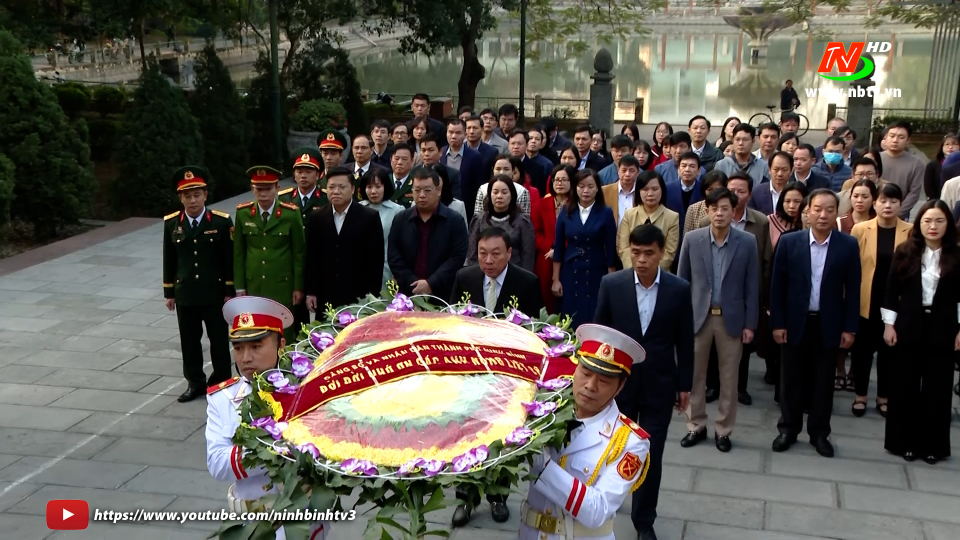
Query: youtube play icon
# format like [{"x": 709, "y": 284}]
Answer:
[{"x": 67, "y": 515}]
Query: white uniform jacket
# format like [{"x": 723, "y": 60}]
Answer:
[
  {"x": 582, "y": 488},
  {"x": 223, "y": 457}
]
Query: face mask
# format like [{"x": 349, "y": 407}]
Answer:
[{"x": 833, "y": 158}]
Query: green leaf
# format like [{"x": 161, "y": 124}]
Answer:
[
  {"x": 323, "y": 498},
  {"x": 436, "y": 501},
  {"x": 438, "y": 532},
  {"x": 233, "y": 530},
  {"x": 392, "y": 523}
]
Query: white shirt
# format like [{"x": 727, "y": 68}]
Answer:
[
  {"x": 267, "y": 210},
  {"x": 740, "y": 224},
  {"x": 775, "y": 196},
  {"x": 194, "y": 221},
  {"x": 338, "y": 217},
  {"x": 801, "y": 180},
  {"x": 696, "y": 150},
  {"x": 818, "y": 258},
  {"x": 686, "y": 188},
  {"x": 305, "y": 198},
  {"x": 929, "y": 278},
  {"x": 362, "y": 168},
  {"x": 625, "y": 200},
  {"x": 646, "y": 300},
  {"x": 499, "y": 281},
  {"x": 585, "y": 213},
  {"x": 400, "y": 181}
]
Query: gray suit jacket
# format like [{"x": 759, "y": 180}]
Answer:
[{"x": 740, "y": 283}]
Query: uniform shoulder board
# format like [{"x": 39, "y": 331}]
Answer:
[
  {"x": 247, "y": 204},
  {"x": 217, "y": 387},
  {"x": 634, "y": 427},
  {"x": 285, "y": 191},
  {"x": 221, "y": 214},
  {"x": 291, "y": 206},
  {"x": 171, "y": 216}
]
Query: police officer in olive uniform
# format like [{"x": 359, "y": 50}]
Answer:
[
  {"x": 269, "y": 249},
  {"x": 309, "y": 197},
  {"x": 331, "y": 143},
  {"x": 198, "y": 278}
]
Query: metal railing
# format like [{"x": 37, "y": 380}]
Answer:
[{"x": 936, "y": 114}]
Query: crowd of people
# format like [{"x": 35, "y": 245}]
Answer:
[{"x": 704, "y": 253}]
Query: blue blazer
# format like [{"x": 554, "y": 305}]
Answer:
[
  {"x": 472, "y": 175},
  {"x": 538, "y": 169},
  {"x": 488, "y": 154},
  {"x": 674, "y": 199},
  {"x": 761, "y": 199},
  {"x": 839, "y": 288},
  {"x": 668, "y": 341},
  {"x": 816, "y": 180}
]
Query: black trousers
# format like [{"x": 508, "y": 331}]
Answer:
[
  {"x": 870, "y": 340},
  {"x": 471, "y": 496},
  {"x": 191, "y": 320},
  {"x": 713, "y": 368},
  {"x": 656, "y": 423},
  {"x": 918, "y": 417},
  {"x": 301, "y": 316},
  {"x": 806, "y": 377}
]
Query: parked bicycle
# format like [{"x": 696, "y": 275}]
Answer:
[{"x": 767, "y": 117}]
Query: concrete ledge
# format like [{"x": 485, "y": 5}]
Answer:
[{"x": 74, "y": 243}]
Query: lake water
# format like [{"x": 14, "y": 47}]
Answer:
[{"x": 679, "y": 74}]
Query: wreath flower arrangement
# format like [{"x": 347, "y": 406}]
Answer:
[{"x": 347, "y": 407}]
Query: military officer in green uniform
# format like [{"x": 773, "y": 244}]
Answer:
[
  {"x": 401, "y": 163},
  {"x": 198, "y": 279},
  {"x": 269, "y": 250},
  {"x": 331, "y": 143},
  {"x": 309, "y": 197}
]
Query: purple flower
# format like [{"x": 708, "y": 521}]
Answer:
[
  {"x": 400, "y": 303},
  {"x": 480, "y": 453},
  {"x": 467, "y": 309},
  {"x": 554, "y": 384},
  {"x": 472, "y": 458},
  {"x": 263, "y": 422},
  {"x": 356, "y": 466},
  {"x": 301, "y": 366},
  {"x": 345, "y": 318},
  {"x": 560, "y": 350},
  {"x": 519, "y": 436},
  {"x": 551, "y": 333},
  {"x": 277, "y": 379},
  {"x": 309, "y": 448},
  {"x": 321, "y": 340},
  {"x": 287, "y": 389},
  {"x": 540, "y": 408},
  {"x": 432, "y": 467},
  {"x": 275, "y": 429},
  {"x": 410, "y": 467},
  {"x": 517, "y": 317}
]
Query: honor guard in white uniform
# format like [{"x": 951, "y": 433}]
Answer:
[
  {"x": 253, "y": 322},
  {"x": 580, "y": 489}
]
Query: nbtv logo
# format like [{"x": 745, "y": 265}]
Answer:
[{"x": 847, "y": 60}]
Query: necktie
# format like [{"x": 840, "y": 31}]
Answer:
[
  {"x": 571, "y": 425},
  {"x": 647, "y": 222},
  {"x": 303, "y": 201},
  {"x": 583, "y": 163},
  {"x": 491, "y": 303},
  {"x": 265, "y": 216},
  {"x": 194, "y": 223}
]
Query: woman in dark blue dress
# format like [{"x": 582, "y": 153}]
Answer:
[{"x": 585, "y": 248}]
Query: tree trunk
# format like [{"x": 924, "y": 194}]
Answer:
[
  {"x": 143, "y": 50},
  {"x": 471, "y": 74},
  {"x": 287, "y": 64}
]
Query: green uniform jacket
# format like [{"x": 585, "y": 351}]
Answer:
[
  {"x": 198, "y": 264},
  {"x": 317, "y": 200},
  {"x": 268, "y": 259},
  {"x": 404, "y": 195}
]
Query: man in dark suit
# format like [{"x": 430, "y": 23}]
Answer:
[
  {"x": 474, "y": 138},
  {"x": 699, "y": 128},
  {"x": 764, "y": 199},
  {"x": 656, "y": 309},
  {"x": 380, "y": 135},
  {"x": 495, "y": 284},
  {"x": 430, "y": 155},
  {"x": 582, "y": 137},
  {"x": 804, "y": 158},
  {"x": 428, "y": 241},
  {"x": 555, "y": 139},
  {"x": 464, "y": 160},
  {"x": 536, "y": 166},
  {"x": 363, "y": 156},
  {"x": 420, "y": 106},
  {"x": 344, "y": 241},
  {"x": 814, "y": 311}
]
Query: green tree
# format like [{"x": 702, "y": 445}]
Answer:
[
  {"x": 223, "y": 124},
  {"x": 8, "y": 180},
  {"x": 54, "y": 181},
  {"x": 259, "y": 102},
  {"x": 323, "y": 71},
  {"x": 159, "y": 136}
]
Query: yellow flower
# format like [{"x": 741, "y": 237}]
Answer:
[{"x": 274, "y": 405}]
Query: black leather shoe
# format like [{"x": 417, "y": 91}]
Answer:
[
  {"x": 744, "y": 398},
  {"x": 692, "y": 438},
  {"x": 768, "y": 378},
  {"x": 647, "y": 534},
  {"x": 908, "y": 456},
  {"x": 931, "y": 460},
  {"x": 783, "y": 442},
  {"x": 723, "y": 443},
  {"x": 499, "y": 512},
  {"x": 192, "y": 393},
  {"x": 823, "y": 446},
  {"x": 712, "y": 395},
  {"x": 461, "y": 516}
]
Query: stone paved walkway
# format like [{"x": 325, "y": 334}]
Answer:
[{"x": 90, "y": 369}]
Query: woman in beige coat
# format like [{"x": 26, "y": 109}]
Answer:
[{"x": 649, "y": 195}]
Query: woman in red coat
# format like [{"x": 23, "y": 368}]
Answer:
[{"x": 544, "y": 215}]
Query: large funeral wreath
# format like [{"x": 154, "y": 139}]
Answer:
[{"x": 398, "y": 398}]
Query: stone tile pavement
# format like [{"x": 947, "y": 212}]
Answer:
[{"x": 90, "y": 368}]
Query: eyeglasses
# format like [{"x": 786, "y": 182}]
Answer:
[
  {"x": 335, "y": 187},
  {"x": 427, "y": 191}
]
